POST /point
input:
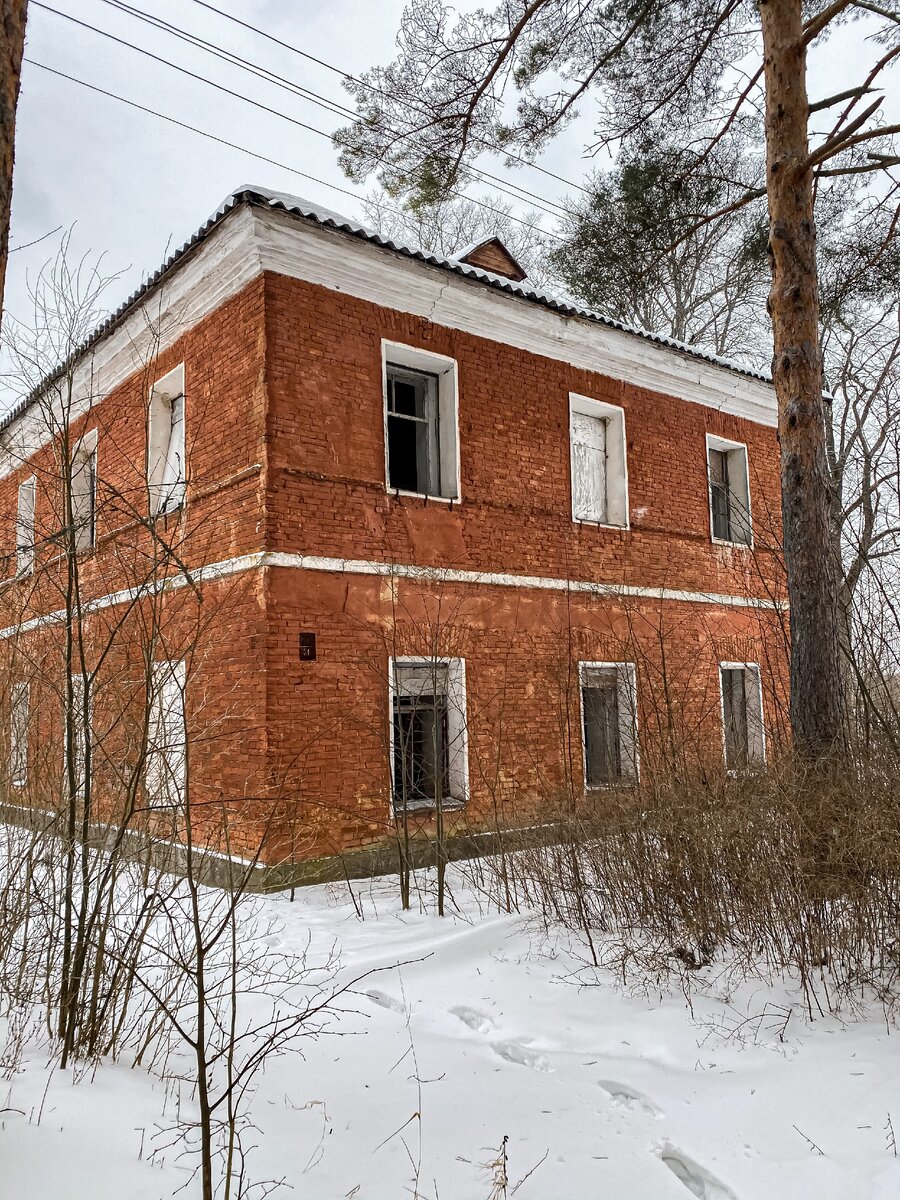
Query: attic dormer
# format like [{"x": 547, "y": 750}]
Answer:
[{"x": 491, "y": 255}]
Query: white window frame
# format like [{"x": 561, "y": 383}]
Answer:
[
  {"x": 25, "y": 523},
  {"x": 165, "y": 774},
  {"x": 411, "y": 358},
  {"x": 756, "y": 719},
  {"x": 617, "y": 507},
  {"x": 457, "y": 729},
  {"x": 19, "y": 726},
  {"x": 165, "y": 495},
  {"x": 85, "y": 449},
  {"x": 629, "y": 739},
  {"x": 714, "y": 442}
]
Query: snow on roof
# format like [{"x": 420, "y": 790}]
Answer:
[{"x": 327, "y": 218}]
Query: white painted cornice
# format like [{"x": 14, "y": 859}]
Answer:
[{"x": 250, "y": 239}]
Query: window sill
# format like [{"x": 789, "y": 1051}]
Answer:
[
  {"x": 614, "y": 785},
  {"x": 733, "y": 545},
  {"x": 422, "y": 496},
  {"x": 601, "y": 524},
  {"x": 417, "y": 807}
]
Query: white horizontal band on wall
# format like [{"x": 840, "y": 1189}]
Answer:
[{"x": 353, "y": 566}]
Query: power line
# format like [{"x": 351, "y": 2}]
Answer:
[
  {"x": 308, "y": 94},
  {"x": 321, "y": 62},
  {"x": 312, "y": 97},
  {"x": 262, "y": 157},
  {"x": 230, "y": 92}
]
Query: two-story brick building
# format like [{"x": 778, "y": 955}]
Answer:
[{"x": 430, "y": 537}]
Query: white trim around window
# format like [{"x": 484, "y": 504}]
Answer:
[
  {"x": 457, "y": 727},
  {"x": 739, "y": 486},
  {"x": 756, "y": 724},
  {"x": 627, "y": 724},
  {"x": 444, "y": 369},
  {"x": 613, "y": 510}
]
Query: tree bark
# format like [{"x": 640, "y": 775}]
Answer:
[
  {"x": 813, "y": 568},
  {"x": 12, "y": 46}
]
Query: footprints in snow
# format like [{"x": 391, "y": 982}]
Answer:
[
  {"x": 476, "y": 1020},
  {"x": 514, "y": 1052},
  {"x": 383, "y": 1000},
  {"x": 519, "y": 1052},
  {"x": 695, "y": 1178},
  {"x": 479, "y": 1022},
  {"x": 622, "y": 1096}
]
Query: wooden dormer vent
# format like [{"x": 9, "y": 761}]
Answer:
[{"x": 491, "y": 255}]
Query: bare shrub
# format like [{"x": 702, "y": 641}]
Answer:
[{"x": 779, "y": 871}]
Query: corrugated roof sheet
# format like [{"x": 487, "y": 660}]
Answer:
[{"x": 298, "y": 207}]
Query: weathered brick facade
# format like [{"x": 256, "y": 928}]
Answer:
[{"x": 289, "y": 513}]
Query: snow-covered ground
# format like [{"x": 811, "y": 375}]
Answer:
[{"x": 603, "y": 1092}]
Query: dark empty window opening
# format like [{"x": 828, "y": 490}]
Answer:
[
  {"x": 421, "y": 743},
  {"x": 720, "y": 492},
  {"x": 602, "y": 728},
  {"x": 729, "y": 493},
  {"x": 735, "y": 713},
  {"x": 414, "y": 463}
]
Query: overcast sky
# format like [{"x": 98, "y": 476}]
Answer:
[{"x": 135, "y": 187}]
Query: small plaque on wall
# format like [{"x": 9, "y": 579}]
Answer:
[{"x": 307, "y": 647}]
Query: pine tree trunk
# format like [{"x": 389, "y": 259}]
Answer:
[
  {"x": 811, "y": 558},
  {"x": 12, "y": 45}
]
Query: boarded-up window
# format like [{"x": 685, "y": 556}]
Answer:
[
  {"x": 79, "y": 720},
  {"x": 25, "y": 527},
  {"x": 18, "y": 735},
  {"x": 742, "y": 716},
  {"x": 166, "y": 775},
  {"x": 589, "y": 471},
  {"x": 166, "y": 469},
  {"x": 609, "y": 717},
  {"x": 84, "y": 492},
  {"x": 414, "y": 461}
]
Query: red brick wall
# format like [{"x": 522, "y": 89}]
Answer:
[
  {"x": 327, "y": 463},
  {"x": 219, "y": 626},
  {"x": 328, "y": 720}
]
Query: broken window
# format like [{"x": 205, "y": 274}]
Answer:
[
  {"x": 25, "y": 527},
  {"x": 729, "y": 492},
  {"x": 84, "y": 492},
  {"x": 742, "y": 716},
  {"x": 166, "y": 775},
  {"x": 414, "y": 463},
  {"x": 589, "y": 467},
  {"x": 428, "y": 733},
  {"x": 18, "y": 735},
  {"x": 608, "y": 708},
  {"x": 166, "y": 473}
]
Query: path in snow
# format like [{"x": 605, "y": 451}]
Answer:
[{"x": 617, "y": 1097}]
